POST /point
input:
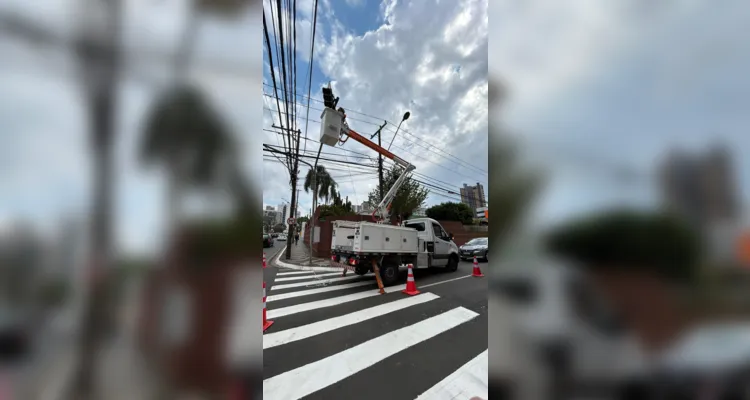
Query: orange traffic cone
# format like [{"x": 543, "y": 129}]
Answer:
[
  {"x": 266, "y": 323},
  {"x": 264, "y": 259},
  {"x": 411, "y": 286},
  {"x": 477, "y": 272}
]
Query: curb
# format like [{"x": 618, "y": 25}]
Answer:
[{"x": 281, "y": 264}]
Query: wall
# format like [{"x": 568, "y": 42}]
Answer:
[{"x": 199, "y": 363}]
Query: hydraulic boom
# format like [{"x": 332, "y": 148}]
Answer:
[{"x": 332, "y": 119}]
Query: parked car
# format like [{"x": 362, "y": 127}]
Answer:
[
  {"x": 478, "y": 247},
  {"x": 267, "y": 240}
]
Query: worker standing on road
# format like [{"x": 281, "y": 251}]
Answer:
[{"x": 296, "y": 238}]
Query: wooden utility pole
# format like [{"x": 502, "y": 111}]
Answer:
[{"x": 380, "y": 161}]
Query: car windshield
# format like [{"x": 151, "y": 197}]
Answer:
[{"x": 477, "y": 242}]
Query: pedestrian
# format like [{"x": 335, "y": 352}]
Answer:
[{"x": 296, "y": 238}]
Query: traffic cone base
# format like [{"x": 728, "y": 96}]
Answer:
[
  {"x": 266, "y": 323},
  {"x": 477, "y": 272},
  {"x": 411, "y": 286}
]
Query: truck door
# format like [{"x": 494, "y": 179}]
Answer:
[{"x": 442, "y": 246}]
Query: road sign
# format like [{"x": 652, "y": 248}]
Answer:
[{"x": 290, "y": 221}]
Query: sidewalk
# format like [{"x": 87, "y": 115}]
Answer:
[{"x": 299, "y": 257}]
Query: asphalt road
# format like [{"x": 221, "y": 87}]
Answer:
[{"x": 344, "y": 340}]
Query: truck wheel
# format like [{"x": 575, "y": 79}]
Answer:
[
  {"x": 452, "y": 264},
  {"x": 389, "y": 274},
  {"x": 486, "y": 256}
]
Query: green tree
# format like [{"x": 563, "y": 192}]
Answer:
[
  {"x": 622, "y": 238},
  {"x": 268, "y": 222},
  {"x": 451, "y": 212},
  {"x": 279, "y": 228},
  {"x": 410, "y": 196},
  {"x": 325, "y": 183}
]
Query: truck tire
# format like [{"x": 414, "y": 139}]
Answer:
[
  {"x": 452, "y": 264},
  {"x": 486, "y": 256},
  {"x": 389, "y": 274}
]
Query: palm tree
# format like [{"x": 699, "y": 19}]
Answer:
[
  {"x": 325, "y": 183},
  {"x": 189, "y": 138}
]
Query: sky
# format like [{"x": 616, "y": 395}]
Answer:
[
  {"x": 45, "y": 158},
  {"x": 593, "y": 87},
  {"x": 383, "y": 59}
]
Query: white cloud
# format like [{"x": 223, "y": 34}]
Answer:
[{"x": 404, "y": 65}]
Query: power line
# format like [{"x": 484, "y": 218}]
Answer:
[
  {"x": 425, "y": 159},
  {"x": 416, "y": 143},
  {"x": 312, "y": 54},
  {"x": 418, "y": 139}
]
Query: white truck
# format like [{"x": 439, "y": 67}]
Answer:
[
  {"x": 421, "y": 242},
  {"x": 377, "y": 246}
]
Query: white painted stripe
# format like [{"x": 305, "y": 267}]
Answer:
[
  {"x": 296, "y": 278},
  {"x": 295, "y": 273},
  {"x": 317, "y": 328},
  {"x": 333, "y": 301},
  {"x": 466, "y": 382},
  {"x": 316, "y": 281},
  {"x": 323, "y": 289},
  {"x": 312, "y": 377},
  {"x": 445, "y": 281}
]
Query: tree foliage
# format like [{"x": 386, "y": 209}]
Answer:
[
  {"x": 629, "y": 239},
  {"x": 326, "y": 184},
  {"x": 279, "y": 228},
  {"x": 451, "y": 212},
  {"x": 410, "y": 196},
  {"x": 184, "y": 133}
]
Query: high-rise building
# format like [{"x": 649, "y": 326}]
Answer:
[
  {"x": 701, "y": 188},
  {"x": 283, "y": 213},
  {"x": 473, "y": 196}
]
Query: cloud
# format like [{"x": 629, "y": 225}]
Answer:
[
  {"x": 410, "y": 62},
  {"x": 620, "y": 82}
]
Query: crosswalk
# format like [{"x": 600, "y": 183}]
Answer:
[{"x": 337, "y": 337}]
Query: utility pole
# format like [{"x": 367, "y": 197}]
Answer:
[
  {"x": 380, "y": 161},
  {"x": 294, "y": 173}
]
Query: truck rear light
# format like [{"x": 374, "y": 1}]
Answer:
[{"x": 353, "y": 261}]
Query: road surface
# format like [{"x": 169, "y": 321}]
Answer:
[{"x": 344, "y": 340}]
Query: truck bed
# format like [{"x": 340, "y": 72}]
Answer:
[{"x": 371, "y": 238}]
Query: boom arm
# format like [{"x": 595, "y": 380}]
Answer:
[{"x": 382, "y": 209}]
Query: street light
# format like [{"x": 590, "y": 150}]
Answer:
[{"x": 406, "y": 116}]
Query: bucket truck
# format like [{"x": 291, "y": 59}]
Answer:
[{"x": 378, "y": 246}]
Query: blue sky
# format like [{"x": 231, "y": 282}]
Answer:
[{"x": 384, "y": 59}]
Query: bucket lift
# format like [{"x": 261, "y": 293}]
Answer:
[{"x": 333, "y": 127}]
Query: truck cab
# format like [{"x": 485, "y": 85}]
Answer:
[{"x": 435, "y": 244}]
